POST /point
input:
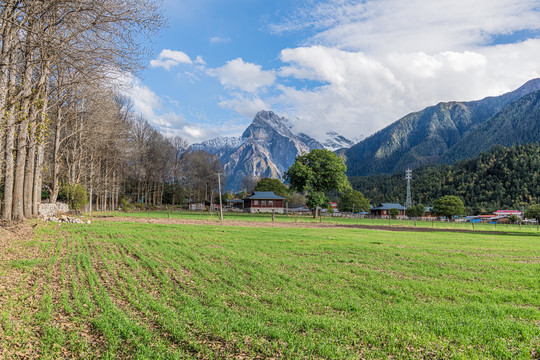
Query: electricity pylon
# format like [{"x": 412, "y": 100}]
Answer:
[{"x": 408, "y": 176}]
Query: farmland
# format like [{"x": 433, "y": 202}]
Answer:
[
  {"x": 232, "y": 217},
  {"x": 130, "y": 289}
]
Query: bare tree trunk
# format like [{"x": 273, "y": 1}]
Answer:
[
  {"x": 2, "y": 153},
  {"x": 18, "y": 186},
  {"x": 27, "y": 88},
  {"x": 77, "y": 178},
  {"x": 38, "y": 179},
  {"x": 113, "y": 191},
  {"x": 29, "y": 173},
  {"x": 91, "y": 181},
  {"x": 105, "y": 193},
  {"x": 40, "y": 154},
  {"x": 9, "y": 29},
  {"x": 56, "y": 157},
  {"x": 10, "y": 166}
]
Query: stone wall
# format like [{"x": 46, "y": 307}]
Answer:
[{"x": 47, "y": 210}]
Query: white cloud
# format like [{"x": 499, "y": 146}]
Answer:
[
  {"x": 246, "y": 106},
  {"x": 193, "y": 132},
  {"x": 371, "y": 62},
  {"x": 152, "y": 108},
  {"x": 199, "y": 60},
  {"x": 360, "y": 94},
  {"x": 414, "y": 25},
  {"x": 168, "y": 59},
  {"x": 245, "y": 76},
  {"x": 220, "y": 40}
]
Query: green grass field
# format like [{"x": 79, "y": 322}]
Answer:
[
  {"x": 265, "y": 217},
  {"x": 152, "y": 291}
]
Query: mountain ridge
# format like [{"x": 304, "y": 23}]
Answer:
[{"x": 423, "y": 137}]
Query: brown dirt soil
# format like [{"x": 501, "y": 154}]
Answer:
[
  {"x": 263, "y": 224},
  {"x": 16, "y": 284}
]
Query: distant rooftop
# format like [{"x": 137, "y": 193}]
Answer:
[
  {"x": 265, "y": 195},
  {"x": 388, "y": 206}
]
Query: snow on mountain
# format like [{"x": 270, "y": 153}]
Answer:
[
  {"x": 267, "y": 148},
  {"x": 335, "y": 141},
  {"x": 215, "y": 145}
]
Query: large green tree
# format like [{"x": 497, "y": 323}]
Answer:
[
  {"x": 448, "y": 206},
  {"x": 533, "y": 212},
  {"x": 273, "y": 185},
  {"x": 415, "y": 211},
  {"x": 353, "y": 201},
  {"x": 317, "y": 172}
]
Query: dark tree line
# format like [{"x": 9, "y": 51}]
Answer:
[{"x": 501, "y": 178}]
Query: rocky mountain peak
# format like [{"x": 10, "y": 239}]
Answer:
[
  {"x": 335, "y": 141},
  {"x": 218, "y": 143},
  {"x": 267, "y": 148},
  {"x": 269, "y": 121}
]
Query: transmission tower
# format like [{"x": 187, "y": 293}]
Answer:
[{"x": 408, "y": 176}]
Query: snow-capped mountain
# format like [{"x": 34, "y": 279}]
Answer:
[
  {"x": 267, "y": 148},
  {"x": 221, "y": 146},
  {"x": 218, "y": 143},
  {"x": 335, "y": 141}
]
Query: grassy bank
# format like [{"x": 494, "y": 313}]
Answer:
[{"x": 130, "y": 290}]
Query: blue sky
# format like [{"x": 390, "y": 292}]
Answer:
[{"x": 343, "y": 65}]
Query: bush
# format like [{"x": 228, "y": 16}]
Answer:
[
  {"x": 126, "y": 206},
  {"x": 448, "y": 206},
  {"x": 353, "y": 200},
  {"x": 415, "y": 211},
  {"x": 533, "y": 212},
  {"x": 75, "y": 194}
]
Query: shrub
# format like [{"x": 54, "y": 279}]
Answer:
[
  {"x": 76, "y": 195},
  {"x": 394, "y": 213}
]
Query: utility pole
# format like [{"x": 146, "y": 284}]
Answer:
[
  {"x": 220, "y": 203},
  {"x": 408, "y": 176}
]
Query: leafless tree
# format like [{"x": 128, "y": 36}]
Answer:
[{"x": 45, "y": 45}]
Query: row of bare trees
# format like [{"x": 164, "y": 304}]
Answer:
[
  {"x": 63, "y": 120},
  {"x": 58, "y": 63},
  {"x": 100, "y": 143}
]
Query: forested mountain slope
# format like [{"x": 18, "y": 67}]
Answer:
[
  {"x": 518, "y": 123},
  {"x": 501, "y": 178},
  {"x": 423, "y": 137}
]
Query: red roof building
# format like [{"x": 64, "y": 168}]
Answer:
[{"x": 508, "y": 213}]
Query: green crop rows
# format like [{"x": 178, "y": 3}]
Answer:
[
  {"x": 325, "y": 219},
  {"x": 131, "y": 290}
]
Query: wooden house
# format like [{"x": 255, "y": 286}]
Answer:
[
  {"x": 264, "y": 201},
  {"x": 383, "y": 210}
]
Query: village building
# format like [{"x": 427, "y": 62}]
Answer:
[
  {"x": 199, "y": 205},
  {"x": 507, "y": 213},
  {"x": 428, "y": 215},
  {"x": 264, "y": 201},
  {"x": 236, "y": 204},
  {"x": 383, "y": 210}
]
